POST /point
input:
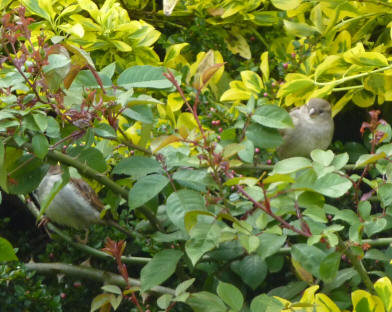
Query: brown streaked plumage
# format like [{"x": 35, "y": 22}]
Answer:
[{"x": 75, "y": 205}]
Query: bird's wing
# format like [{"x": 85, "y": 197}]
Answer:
[
  {"x": 295, "y": 114},
  {"x": 90, "y": 193}
]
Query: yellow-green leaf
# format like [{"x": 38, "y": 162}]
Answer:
[
  {"x": 252, "y": 81},
  {"x": 368, "y": 159},
  {"x": 264, "y": 66},
  {"x": 308, "y": 296},
  {"x": 299, "y": 29},
  {"x": 232, "y": 8},
  {"x": 363, "y": 98},
  {"x": 237, "y": 44},
  {"x": 235, "y": 94},
  {"x": 301, "y": 272},
  {"x": 35, "y": 7},
  {"x": 366, "y": 58},
  {"x": 286, "y": 4},
  {"x": 173, "y": 52},
  {"x": 325, "y": 303},
  {"x": 277, "y": 177},
  {"x": 249, "y": 181},
  {"x": 333, "y": 64},
  {"x": 296, "y": 87},
  {"x": 90, "y": 7},
  {"x": 383, "y": 287},
  {"x": 175, "y": 101},
  {"x": 121, "y": 45}
]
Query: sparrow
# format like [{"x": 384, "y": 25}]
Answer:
[
  {"x": 313, "y": 128},
  {"x": 76, "y": 205}
]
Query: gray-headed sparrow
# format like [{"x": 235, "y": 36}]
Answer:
[
  {"x": 75, "y": 205},
  {"x": 313, "y": 128}
]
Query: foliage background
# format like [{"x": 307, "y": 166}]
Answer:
[{"x": 173, "y": 119}]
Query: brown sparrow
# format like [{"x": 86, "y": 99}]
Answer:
[
  {"x": 313, "y": 128},
  {"x": 75, "y": 205}
]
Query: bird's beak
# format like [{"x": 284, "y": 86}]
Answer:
[{"x": 312, "y": 112}]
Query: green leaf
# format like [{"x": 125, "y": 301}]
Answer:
[
  {"x": 205, "y": 301},
  {"x": 41, "y": 121},
  {"x": 227, "y": 251},
  {"x": 323, "y": 157},
  {"x": 139, "y": 113},
  {"x": 159, "y": 269},
  {"x": 330, "y": 266},
  {"x": 265, "y": 303},
  {"x": 53, "y": 128},
  {"x": 164, "y": 301},
  {"x": 341, "y": 277},
  {"x": 309, "y": 257},
  {"x": 332, "y": 185},
  {"x": 377, "y": 255},
  {"x": 197, "y": 180},
  {"x": 57, "y": 62},
  {"x": 137, "y": 166},
  {"x": 40, "y": 146},
  {"x": 270, "y": 244},
  {"x": 364, "y": 208},
  {"x": 263, "y": 137},
  {"x": 191, "y": 218},
  {"x": 231, "y": 295},
  {"x": 232, "y": 149},
  {"x": 181, "y": 288},
  {"x": 28, "y": 175},
  {"x": 104, "y": 130},
  {"x": 340, "y": 161},
  {"x": 145, "y": 189},
  {"x": 6, "y": 251},
  {"x": 114, "y": 289},
  {"x": 275, "y": 263},
  {"x": 384, "y": 194},
  {"x": 253, "y": 270},
  {"x": 3, "y": 169},
  {"x": 375, "y": 225},
  {"x": 290, "y": 165},
  {"x": 249, "y": 242},
  {"x": 146, "y": 76},
  {"x": 204, "y": 237},
  {"x": 273, "y": 116},
  {"x": 90, "y": 156},
  {"x": 86, "y": 79},
  {"x": 181, "y": 202},
  {"x": 247, "y": 153},
  {"x": 289, "y": 291}
]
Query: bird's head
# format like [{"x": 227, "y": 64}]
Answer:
[{"x": 319, "y": 108}]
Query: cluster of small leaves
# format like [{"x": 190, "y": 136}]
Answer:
[{"x": 21, "y": 290}]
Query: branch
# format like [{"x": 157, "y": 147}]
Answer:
[
  {"x": 357, "y": 264},
  {"x": 90, "y": 273}
]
